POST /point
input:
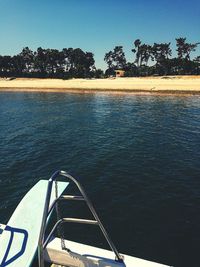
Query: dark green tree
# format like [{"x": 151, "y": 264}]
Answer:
[
  {"x": 18, "y": 65},
  {"x": 115, "y": 60},
  {"x": 119, "y": 57},
  {"x": 184, "y": 49},
  {"x": 40, "y": 62},
  {"x": 161, "y": 53},
  {"x": 6, "y": 65},
  {"x": 109, "y": 59},
  {"x": 52, "y": 61},
  {"x": 27, "y": 57},
  {"x": 136, "y": 50}
]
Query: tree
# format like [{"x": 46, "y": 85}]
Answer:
[
  {"x": 109, "y": 59},
  {"x": 89, "y": 63},
  {"x": 143, "y": 53},
  {"x": 27, "y": 57},
  {"x": 161, "y": 53},
  {"x": 131, "y": 70},
  {"x": 18, "y": 65},
  {"x": 119, "y": 57},
  {"x": 40, "y": 62},
  {"x": 67, "y": 57},
  {"x": 78, "y": 63},
  {"x": 98, "y": 73},
  {"x": 6, "y": 65},
  {"x": 136, "y": 50},
  {"x": 184, "y": 49},
  {"x": 52, "y": 60},
  {"x": 197, "y": 65},
  {"x": 115, "y": 59}
]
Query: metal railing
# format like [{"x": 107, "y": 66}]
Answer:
[{"x": 42, "y": 244}]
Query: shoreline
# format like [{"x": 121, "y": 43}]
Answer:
[
  {"x": 189, "y": 85},
  {"x": 101, "y": 91}
]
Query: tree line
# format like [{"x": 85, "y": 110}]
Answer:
[
  {"x": 50, "y": 63},
  {"x": 155, "y": 59},
  {"x": 68, "y": 63}
]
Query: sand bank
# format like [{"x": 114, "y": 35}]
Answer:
[{"x": 169, "y": 84}]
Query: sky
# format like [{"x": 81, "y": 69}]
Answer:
[{"x": 96, "y": 26}]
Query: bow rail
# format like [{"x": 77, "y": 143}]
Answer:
[{"x": 43, "y": 242}]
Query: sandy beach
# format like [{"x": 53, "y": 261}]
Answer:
[{"x": 148, "y": 85}]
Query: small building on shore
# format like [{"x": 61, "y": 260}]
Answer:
[{"x": 119, "y": 73}]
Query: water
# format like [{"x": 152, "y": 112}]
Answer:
[{"x": 137, "y": 156}]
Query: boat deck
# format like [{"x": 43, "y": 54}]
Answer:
[{"x": 82, "y": 255}]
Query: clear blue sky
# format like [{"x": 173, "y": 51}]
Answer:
[{"x": 95, "y": 26}]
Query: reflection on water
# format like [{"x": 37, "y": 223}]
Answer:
[{"x": 137, "y": 156}]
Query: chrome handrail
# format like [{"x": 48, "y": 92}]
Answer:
[{"x": 43, "y": 243}]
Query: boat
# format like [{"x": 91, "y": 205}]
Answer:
[{"x": 25, "y": 235}]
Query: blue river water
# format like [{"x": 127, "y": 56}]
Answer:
[{"x": 138, "y": 158}]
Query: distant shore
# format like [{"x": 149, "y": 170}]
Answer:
[{"x": 141, "y": 85}]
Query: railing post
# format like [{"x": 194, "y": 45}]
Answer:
[{"x": 44, "y": 219}]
